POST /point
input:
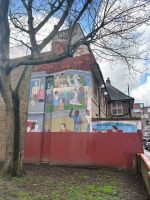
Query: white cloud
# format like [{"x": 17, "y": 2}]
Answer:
[
  {"x": 142, "y": 93},
  {"x": 117, "y": 71},
  {"x": 120, "y": 76},
  {"x": 17, "y": 49}
]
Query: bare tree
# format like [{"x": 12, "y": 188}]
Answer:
[{"x": 109, "y": 25}]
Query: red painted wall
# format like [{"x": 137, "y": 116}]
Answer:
[{"x": 102, "y": 149}]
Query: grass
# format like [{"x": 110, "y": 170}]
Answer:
[{"x": 58, "y": 183}]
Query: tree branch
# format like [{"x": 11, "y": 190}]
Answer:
[
  {"x": 24, "y": 79},
  {"x": 57, "y": 27},
  {"x": 17, "y": 26},
  {"x": 24, "y": 4},
  {"x": 29, "y": 61},
  {"x": 76, "y": 20},
  {"x": 50, "y": 14},
  {"x": 25, "y": 44}
]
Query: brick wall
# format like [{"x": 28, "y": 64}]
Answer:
[
  {"x": 24, "y": 105},
  {"x": 2, "y": 129}
]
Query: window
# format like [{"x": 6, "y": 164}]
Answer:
[
  {"x": 145, "y": 116},
  {"x": 146, "y": 128},
  {"x": 141, "y": 105},
  {"x": 116, "y": 108},
  {"x": 114, "y": 104},
  {"x": 136, "y": 110},
  {"x": 114, "y": 111}
]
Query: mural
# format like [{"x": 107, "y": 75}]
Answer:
[
  {"x": 68, "y": 101},
  {"x": 124, "y": 126},
  {"x": 64, "y": 99},
  {"x": 36, "y": 102},
  {"x": 35, "y": 123},
  {"x": 61, "y": 102},
  {"x": 37, "y": 95}
]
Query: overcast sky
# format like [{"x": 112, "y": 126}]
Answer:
[
  {"x": 117, "y": 72},
  {"x": 120, "y": 76}
]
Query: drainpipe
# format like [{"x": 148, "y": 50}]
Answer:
[{"x": 99, "y": 101}]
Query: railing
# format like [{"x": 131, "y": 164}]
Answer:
[{"x": 143, "y": 167}]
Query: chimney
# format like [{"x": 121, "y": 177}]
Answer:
[
  {"x": 108, "y": 82},
  {"x": 58, "y": 47}
]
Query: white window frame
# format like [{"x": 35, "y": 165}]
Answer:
[{"x": 117, "y": 108}]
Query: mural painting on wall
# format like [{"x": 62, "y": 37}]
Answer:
[
  {"x": 63, "y": 102},
  {"x": 37, "y": 95},
  {"x": 68, "y": 102},
  {"x": 36, "y": 103},
  {"x": 35, "y": 123},
  {"x": 114, "y": 126}
]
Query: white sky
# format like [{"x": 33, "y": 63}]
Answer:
[
  {"x": 120, "y": 77},
  {"x": 117, "y": 72}
]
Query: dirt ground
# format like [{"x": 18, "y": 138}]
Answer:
[{"x": 64, "y": 183}]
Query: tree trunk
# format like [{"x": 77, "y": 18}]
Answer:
[
  {"x": 4, "y": 33},
  {"x": 13, "y": 156}
]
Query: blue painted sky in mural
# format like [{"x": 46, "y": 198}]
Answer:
[{"x": 127, "y": 128}]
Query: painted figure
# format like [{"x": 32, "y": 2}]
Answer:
[
  {"x": 114, "y": 129},
  {"x": 49, "y": 94},
  {"x": 77, "y": 119},
  {"x": 34, "y": 127},
  {"x": 88, "y": 119},
  {"x": 80, "y": 94},
  {"x": 66, "y": 97},
  {"x": 63, "y": 128},
  {"x": 77, "y": 83},
  {"x": 35, "y": 91},
  {"x": 61, "y": 105},
  {"x": 69, "y": 81},
  {"x": 56, "y": 100},
  {"x": 59, "y": 80},
  {"x": 41, "y": 94},
  {"x": 75, "y": 100}
]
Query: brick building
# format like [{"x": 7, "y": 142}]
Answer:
[
  {"x": 118, "y": 103},
  {"x": 143, "y": 112}
]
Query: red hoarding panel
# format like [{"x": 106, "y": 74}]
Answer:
[
  {"x": 45, "y": 148},
  {"x": 102, "y": 149},
  {"x": 33, "y": 144}
]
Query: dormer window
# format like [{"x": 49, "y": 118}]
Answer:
[{"x": 116, "y": 108}]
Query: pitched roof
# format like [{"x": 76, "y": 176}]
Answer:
[{"x": 116, "y": 94}]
